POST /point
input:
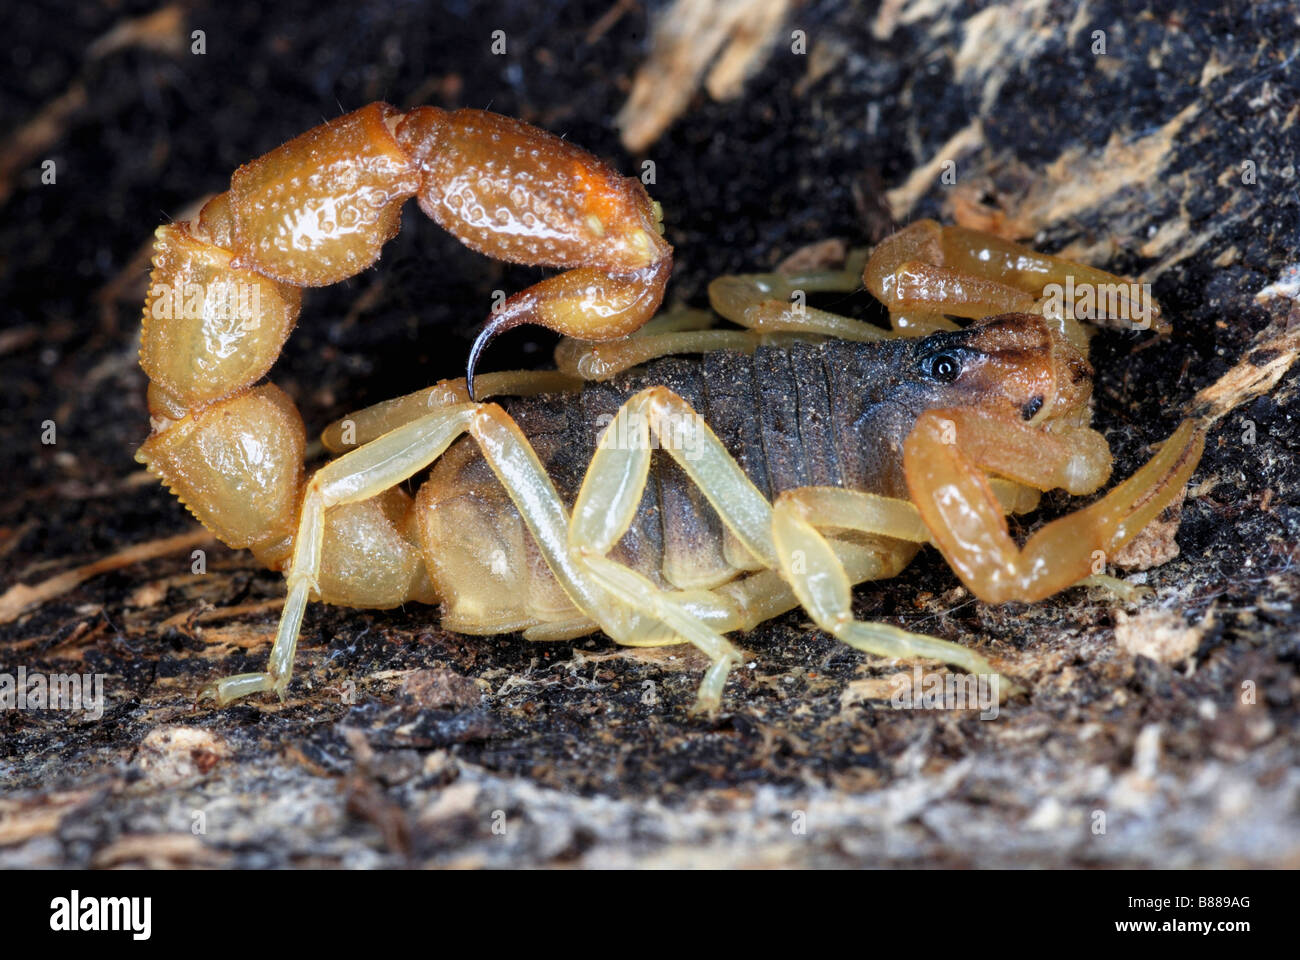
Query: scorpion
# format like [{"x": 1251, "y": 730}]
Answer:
[{"x": 798, "y": 455}]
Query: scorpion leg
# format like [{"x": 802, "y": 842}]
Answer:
[
  {"x": 908, "y": 272},
  {"x": 399, "y": 454},
  {"x": 679, "y": 330},
  {"x": 627, "y": 606},
  {"x": 561, "y": 630},
  {"x": 606, "y": 504},
  {"x": 821, "y": 578},
  {"x": 824, "y": 590},
  {"x": 947, "y": 483},
  {"x": 926, "y": 271},
  {"x": 600, "y": 361},
  {"x": 761, "y": 302},
  {"x": 353, "y": 477},
  {"x": 764, "y": 594},
  {"x": 362, "y": 426},
  {"x": 888, "y": 516},
  {"x": 611, "y": 491}
]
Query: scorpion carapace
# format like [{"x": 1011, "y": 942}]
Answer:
[{"x": 689, "y": 498}]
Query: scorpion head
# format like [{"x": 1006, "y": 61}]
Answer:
[{"x": 1012, "y": 365}]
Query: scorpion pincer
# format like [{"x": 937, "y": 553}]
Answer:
[{"x": 660, "y": 499}]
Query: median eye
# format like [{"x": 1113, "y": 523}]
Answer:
[{"x": 944, "y": 367}]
